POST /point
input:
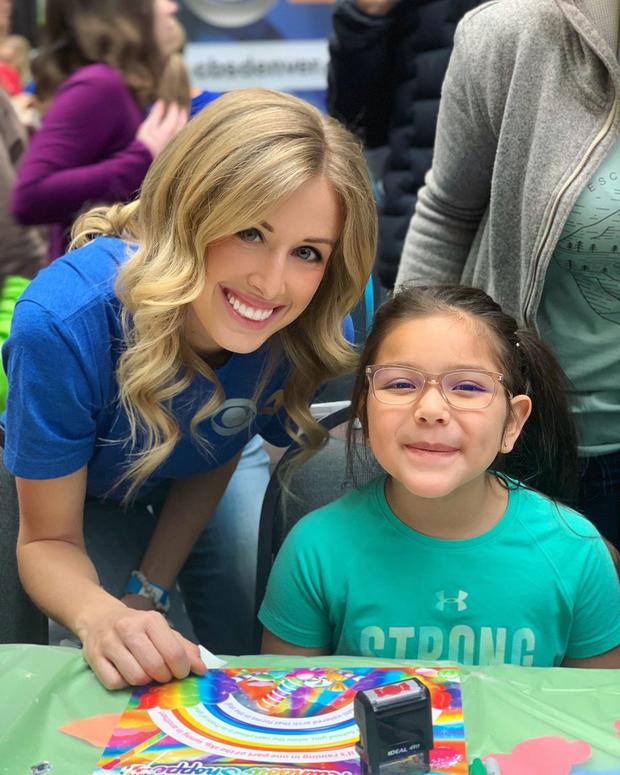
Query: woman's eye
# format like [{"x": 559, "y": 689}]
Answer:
[
  {"x": 250, "y": 235},
  {"x": 307, "y": 253}
]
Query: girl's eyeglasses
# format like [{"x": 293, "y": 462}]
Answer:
[{"x": 463, "y": 389}]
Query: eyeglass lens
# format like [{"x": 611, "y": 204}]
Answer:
[{"x": 461, "y": 389}]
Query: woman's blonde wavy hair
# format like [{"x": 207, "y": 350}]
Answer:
[{"x": 247, "y": 151}]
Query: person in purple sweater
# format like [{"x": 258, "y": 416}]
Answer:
[{"x": 96, "y": 75}]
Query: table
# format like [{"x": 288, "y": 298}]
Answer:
[{"x": 44, "y": 687}]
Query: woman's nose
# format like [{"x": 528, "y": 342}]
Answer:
[{"x": 269, "y": 277}]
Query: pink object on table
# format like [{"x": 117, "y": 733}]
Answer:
[
  {"x": 543, "y": 756},
  {"x": 96, "y": 730}
]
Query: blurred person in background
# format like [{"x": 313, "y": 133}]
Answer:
[
  {"x": 22, "y": 248},
  {"x": 15, "y": 50},
  {"x": 174, "y": 84},
  {"x": 96, "y": 74},
  {"x": 387, "y": 63},
  {"x": 6, "y": 6},
  {"x": 16, "y": 53}
]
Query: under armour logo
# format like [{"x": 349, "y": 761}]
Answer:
[{"x": 459, "y": 600}]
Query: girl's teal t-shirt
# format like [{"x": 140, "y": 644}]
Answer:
[{"x": 536, "y": 588}]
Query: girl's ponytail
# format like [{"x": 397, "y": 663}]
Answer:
[{"x": 545, "y": 455}]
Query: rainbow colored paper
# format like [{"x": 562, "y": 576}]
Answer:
[{"x": 241, "y": 721}]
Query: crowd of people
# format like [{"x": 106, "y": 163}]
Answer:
[{"x": 199, "y": 268}]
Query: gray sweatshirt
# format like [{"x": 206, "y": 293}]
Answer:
[{"x": 528, "y": 112}]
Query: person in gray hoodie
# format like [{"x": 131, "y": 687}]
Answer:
[{"x": 523, "y": 200}]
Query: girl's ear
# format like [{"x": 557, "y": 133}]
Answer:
[{"x": 520, "y": 410}]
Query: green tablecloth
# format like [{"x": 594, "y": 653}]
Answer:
[{"x": 42, "y": 688}]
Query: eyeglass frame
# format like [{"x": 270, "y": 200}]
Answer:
[{"x": 435, "y": 379}]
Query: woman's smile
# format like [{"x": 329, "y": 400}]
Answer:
[{"x": 249, "y": 310}]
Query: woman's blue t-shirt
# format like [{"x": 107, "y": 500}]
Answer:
[{"x": 62, "y": 410}]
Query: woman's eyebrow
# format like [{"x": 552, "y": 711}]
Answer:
[{"x": 322, "y": 240}]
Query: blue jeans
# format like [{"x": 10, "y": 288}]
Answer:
[
  {"x": 599, "y": 494},
  {"x": 215, "y": 603}
]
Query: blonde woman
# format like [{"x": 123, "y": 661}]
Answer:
[{"x": 205, "y": 313}]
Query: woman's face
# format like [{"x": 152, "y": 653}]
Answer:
[
  {"x": 164, "y": 30},
  {"x": 262, "y": 278}
]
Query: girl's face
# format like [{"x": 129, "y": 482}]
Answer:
[
  {"x": 430, "y": 449},
  {"x": 164, "y": 12},
  {"x": 262, "y": 278}
]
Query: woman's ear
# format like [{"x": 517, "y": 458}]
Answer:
[{"x": 520, "y": 410}]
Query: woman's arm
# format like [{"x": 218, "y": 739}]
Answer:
[
  {"x": 186, "y": 511},
  {"x": 273, "y": 645},
  {"x": 452, "y": 203},
  {"x": 123, "y": 646}
]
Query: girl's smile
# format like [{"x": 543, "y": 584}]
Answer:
[{"x": 427, "y": 450}]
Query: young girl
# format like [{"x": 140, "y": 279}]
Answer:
[
  {"x": 141, "y": 364},
  {"x": 451, "y": 555}
]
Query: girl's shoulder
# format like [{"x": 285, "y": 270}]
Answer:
[
  {"x": 540, "y": 512},
  {"x": 345, "y": 518},
  {"x": 564, "y": 540}
]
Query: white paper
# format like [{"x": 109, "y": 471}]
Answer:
[{"x": 210, "y": 659}]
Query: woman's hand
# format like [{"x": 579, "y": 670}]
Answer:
[
  {"x": 161, "y": 125},
  {"x": 139, "y": 602},
  {"x": 125, "y": 646}
]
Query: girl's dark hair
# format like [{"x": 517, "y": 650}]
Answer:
[
  {"x": 119, "y": 33},
  {"x": 545, "y": 455}
]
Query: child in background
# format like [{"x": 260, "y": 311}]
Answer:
[
  {"x": 15, "y": 50},
  {"x": 452, "y": 554}
]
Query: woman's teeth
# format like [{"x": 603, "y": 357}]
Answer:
[{"x": 248, "y": 312}]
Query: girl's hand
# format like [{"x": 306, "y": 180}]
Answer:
[
  {"x": 161, "y": 125},
  {"x": 129, "y": 647}
]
